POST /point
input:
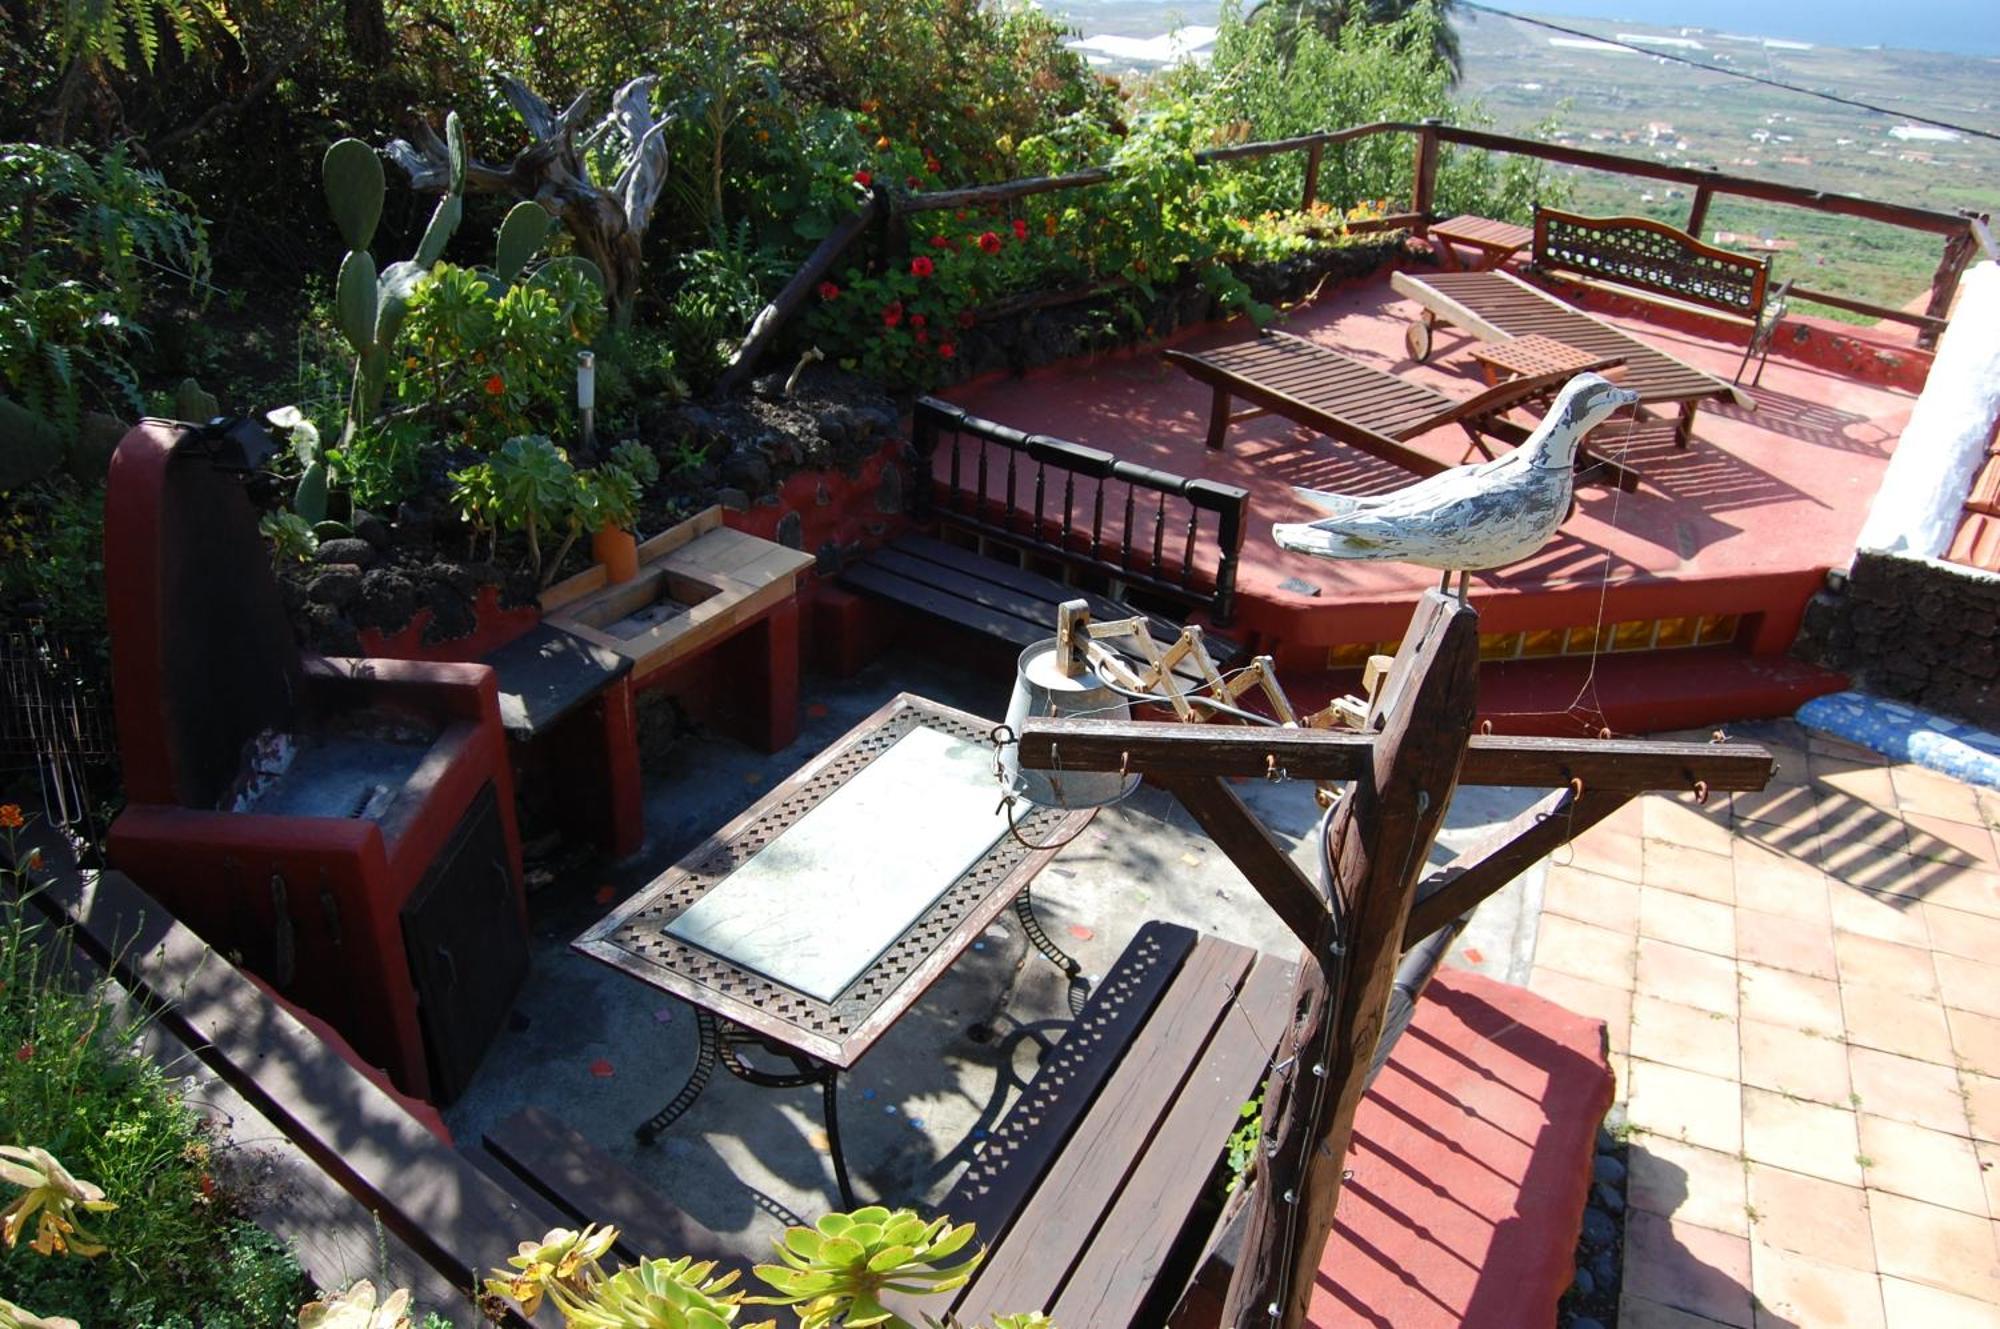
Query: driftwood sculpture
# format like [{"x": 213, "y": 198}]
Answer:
[{"x": 607, "y": 220}]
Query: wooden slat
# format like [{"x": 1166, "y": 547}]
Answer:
[
  {"x": 1118, "y": 1278},
  {"x": 590, "y": 1186},
  {"x": 1019, "y": 1150},
  {"x": 1062, "y": 1215},
  {"x": 940, "y": 604}
]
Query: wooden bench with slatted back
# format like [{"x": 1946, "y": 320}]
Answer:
[{"x": 1129, "y": 539}]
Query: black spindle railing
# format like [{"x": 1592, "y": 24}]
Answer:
[{"x": 1202, "y": 510}]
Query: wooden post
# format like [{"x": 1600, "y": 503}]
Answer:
[
  {"x": 1698, "y": 214},
  {"x": 1958, "y": 248},
  {"x": 1426, "y": 175},
  {"x": 1311, "y": 194},
  {"x": 1376, "y": 842}
]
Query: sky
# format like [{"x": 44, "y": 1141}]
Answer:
[{"x": 1966, "y": 27}]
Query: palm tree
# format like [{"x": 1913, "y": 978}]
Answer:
[{"x": 1328, "y": 17}]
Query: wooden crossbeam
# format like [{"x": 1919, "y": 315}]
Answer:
[
  {"x": 1503, "y": 855},
  {"x": 1633, "y": 765},
  {"x": 1263, "y": 861}
]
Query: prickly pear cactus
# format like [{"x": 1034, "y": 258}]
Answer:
[{"x": 369, "y": 304}]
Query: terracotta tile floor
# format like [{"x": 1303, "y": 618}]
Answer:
[{"x": 1802, "y": 989}]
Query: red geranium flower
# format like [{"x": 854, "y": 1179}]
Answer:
[
  {"x": 918, "y": 320},
  {"x": 933, "y": 165},
  {"x": 940, "y": 242},
  {"x": 922, "y": 336},
  {"x": 921, "y": 267},
  {"x": 495, "y": 386},
  {"x": 946, "y": 350},
  {"x": 864, "y": 179},
  {"x": 961, "y": 214},
  {"x": 1020, "y": 229},
  {"x": 892, "y": 314},
  {"x": 965, "y": 318},
  {"x": 828, "y": 291},
  {"x": 990, "y": 243},
  {"x": 911, "y": 181}
]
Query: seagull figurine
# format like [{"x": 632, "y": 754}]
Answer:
[{"x": 1469, "y": 518}]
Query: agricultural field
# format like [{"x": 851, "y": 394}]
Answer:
[{"x": 1635, "y": 105}]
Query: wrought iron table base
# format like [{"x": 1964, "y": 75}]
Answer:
[{"x": 716, "y": 1041}]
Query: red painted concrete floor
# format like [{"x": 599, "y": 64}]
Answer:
[
  {"x": 1470, "y": 1166},
  {"x": 1745, "y": 521}
]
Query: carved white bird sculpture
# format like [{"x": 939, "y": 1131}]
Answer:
[{"x": 1469, "y": 518}]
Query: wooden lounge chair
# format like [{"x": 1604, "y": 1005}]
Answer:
[
  {"x": 1360, "y": 405},
  {"x": 1497, "y": 306}
]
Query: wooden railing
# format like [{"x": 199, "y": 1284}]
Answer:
[
  {"x": 888, "y": 210},
  {"x": 1054, "y": 497}
]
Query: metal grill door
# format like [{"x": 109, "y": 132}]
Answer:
[{"x": 468, "y": 948}]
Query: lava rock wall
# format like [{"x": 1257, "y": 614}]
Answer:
[{"x": 1917, "y": 630}]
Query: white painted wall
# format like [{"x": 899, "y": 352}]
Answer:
[{"x": 1916, "y": 510}]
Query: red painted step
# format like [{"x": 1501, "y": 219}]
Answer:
[{"x": 1471, "y": 1166}]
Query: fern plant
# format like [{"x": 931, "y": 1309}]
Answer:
[
  {"x": 110, "y": 32},
  {"x": 82, "y": 242}
]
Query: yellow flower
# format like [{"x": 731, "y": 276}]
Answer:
[
  {"x": 356, "y": 1309},
  {"x": 562, "y": 1261},
  {"x": 52, "y": 1197}
]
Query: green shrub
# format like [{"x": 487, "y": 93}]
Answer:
[
  {"x": 83, "y": 242},
  {"x": 179, "y": 1257}
]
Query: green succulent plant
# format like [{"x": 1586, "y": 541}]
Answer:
[
  {"x": 357, "y": 1308},
  {"x": 564, "y": 1262},
  {"x": 291, "y": 535},
  {"x": 659, "y": 1294},
  {"x": 837, "y": 1270}
]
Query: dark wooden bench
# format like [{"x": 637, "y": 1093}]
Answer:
[
  {"x": 1098, "y": 1191},
  {"x": 990, "y": 597},
  {"x": 1169, "y": 541},
  {"x": 1638, "y": 254}
]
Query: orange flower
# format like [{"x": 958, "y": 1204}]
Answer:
[
  {"x": 10, "y": 817},
  {"x": 1049, "y": 224},
  {"x": 882, "y": 142},
  {"x": 495, "y": 386}
]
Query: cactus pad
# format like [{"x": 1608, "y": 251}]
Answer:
[{"x": 352, "y": 174}]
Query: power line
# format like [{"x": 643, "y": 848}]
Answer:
[{"x": 1732, "y": 73}]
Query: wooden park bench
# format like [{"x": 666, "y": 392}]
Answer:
[
  {"x": 1362, "y": 406},
  {"x": 1653, "y": 259},
  {"x": 1169, "y": 543}
]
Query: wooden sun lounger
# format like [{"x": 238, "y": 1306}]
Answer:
[
  {"x": 1497, "y": 306},
  {"x": 1362, "y": 406}
]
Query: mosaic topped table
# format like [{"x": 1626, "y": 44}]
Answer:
[{"x": 812, "y": 922}]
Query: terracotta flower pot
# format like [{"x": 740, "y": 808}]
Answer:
[{"x": 618, "y": 550}]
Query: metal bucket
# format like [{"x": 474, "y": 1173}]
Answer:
[{"x": 1041, "y": 689}]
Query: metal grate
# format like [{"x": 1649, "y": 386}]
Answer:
[{"x": 55, "y": 722}]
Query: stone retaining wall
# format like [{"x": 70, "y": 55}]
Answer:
[{"x": 1914, "y": 629}]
